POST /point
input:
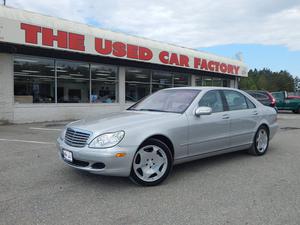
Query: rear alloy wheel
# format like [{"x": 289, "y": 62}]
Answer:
[
  {"x": 152, "y": 163},
  {"x": 261, "y": 142}
]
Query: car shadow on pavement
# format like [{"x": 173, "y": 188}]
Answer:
[
  {"x": 286, "y": 112},
  {"x": 179, "y": 171},
  {"x": 208, "y": 164},
  {"x": 101, "y": 180}
]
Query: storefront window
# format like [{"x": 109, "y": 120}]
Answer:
[
  {"x": 226, "y": 83},
  {"x": 181, "y": 80},
  {"x": 73, "y": 84},
  {"x": 104, "y": 83},
  {"x": 199, "y": 81},
  {"x": 161, "y": 80},
  {"x": 217, "y": 82},
  {"x": 34, "y": 80},
  {"x": 207, "y": 81},
  {"x": 137, "y": 84},
  {"x": 139, "y": 81}
]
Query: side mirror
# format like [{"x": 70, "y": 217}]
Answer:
[{"x": 203, "y": 110}]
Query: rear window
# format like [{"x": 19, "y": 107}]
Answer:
[
  {"x": 259, "y": 95},
  {"x": 262, "y": 96},
  {"x": 235, "y": 100}
]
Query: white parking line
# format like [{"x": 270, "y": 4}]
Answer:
[
  {"x": 26, "y": 141},
  {"x": 46, "y": 129}
]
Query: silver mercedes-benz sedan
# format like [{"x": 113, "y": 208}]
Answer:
[{"x": 169, "y": 127}]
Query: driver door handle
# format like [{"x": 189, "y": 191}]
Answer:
[{"x": 255, "y": 113}]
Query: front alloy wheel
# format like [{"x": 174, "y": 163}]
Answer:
[{"x": 152, "y": 163}]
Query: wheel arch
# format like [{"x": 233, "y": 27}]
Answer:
[
  {"x": 262, "y": 123},
  {"x": 163, "y": 138},
  {"x": 265, "y": 125}
]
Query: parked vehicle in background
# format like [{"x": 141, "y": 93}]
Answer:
[
  {"x": 264, "y": 97},
  {"x": 293, "y": 97},
  {"x": 285, "y": 102}
]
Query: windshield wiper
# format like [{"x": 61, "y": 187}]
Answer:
[
  {"x": 157, "y": 110},
  {"x": 152, "y": 110}
]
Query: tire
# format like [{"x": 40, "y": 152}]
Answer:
[
  {"x": 260, "y": 143},
  {"x": 297, "y": 111},
  {"x": 152, "y": 163}
]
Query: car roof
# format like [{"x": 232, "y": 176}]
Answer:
[
  {"x": 256, "y": 91},
  {"x": 202, "y": 88}
]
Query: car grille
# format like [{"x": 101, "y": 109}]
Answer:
[{"x": 76, "y": 138}]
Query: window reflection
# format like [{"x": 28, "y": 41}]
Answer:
[
  {"x": 34, "y": 80},
  {"x": 226, "y": 83},
  {"x": 72, "y": 82},
  {"x": 104, "y": 83},
  {"x": 137, "y": 84},
  {"x": 212, "y": 81},
  {"x": 217, "y": 82},
  {"x": 139, "y": 81},
  {"x": 207, "y": 81},
  {"x": 161, "y": 80},
  {"x": 181, "y": 80},
  {"x": 198, "y": 81}
]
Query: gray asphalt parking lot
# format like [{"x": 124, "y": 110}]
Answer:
[{"x": 236, "y": 188}]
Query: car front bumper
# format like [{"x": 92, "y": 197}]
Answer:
[{"x": 99, "y": 161}]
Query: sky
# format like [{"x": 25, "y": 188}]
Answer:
[{"x": 265, "y": 32}]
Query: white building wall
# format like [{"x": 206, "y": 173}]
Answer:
[
  {"x": 6, "y": 88},
  {"x": 27, "y": 113},
  {"x": 121, "y": 89},
  {"x": 233, "y": 83},
  {"x": 193, "y": 80}
]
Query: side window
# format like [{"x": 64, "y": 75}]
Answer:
[
  {"x": 278, "y": 96},
  {"x": 262, "y": 97},
  {"x": 235, "y": 100},
  {"x": 250, "y": 104},
  {"x": 212, "y": 99},
  {"x": 252, "y": 94}
]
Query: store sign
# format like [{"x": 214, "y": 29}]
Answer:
[{"x": 34, "y": 35}]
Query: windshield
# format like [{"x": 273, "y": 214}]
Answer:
[{"x": 170, "y": 100}]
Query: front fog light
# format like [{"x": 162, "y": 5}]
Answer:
[{"x": 107, "y": 140}]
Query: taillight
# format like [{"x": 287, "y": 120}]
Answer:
[{"x": 273, "y": 101}]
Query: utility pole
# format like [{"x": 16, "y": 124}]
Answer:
[{"x": 4, "y": 2}]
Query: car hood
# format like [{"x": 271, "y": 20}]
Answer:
[{"x": 120, "y": 121}]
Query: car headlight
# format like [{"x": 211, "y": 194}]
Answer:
[
  {"x": 63, "y": 134},
  {"x": 107, "y": 140}
]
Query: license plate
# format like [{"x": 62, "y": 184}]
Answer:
[{"x": 68, "y": 155}]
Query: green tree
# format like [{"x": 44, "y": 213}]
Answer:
[{"x": 265, "y": 79}]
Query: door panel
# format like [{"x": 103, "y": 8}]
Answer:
[
  {"x": 242, "y": 126},
  {"x": 243, "y": 118},
  {"x": 208, "y": 133}
]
